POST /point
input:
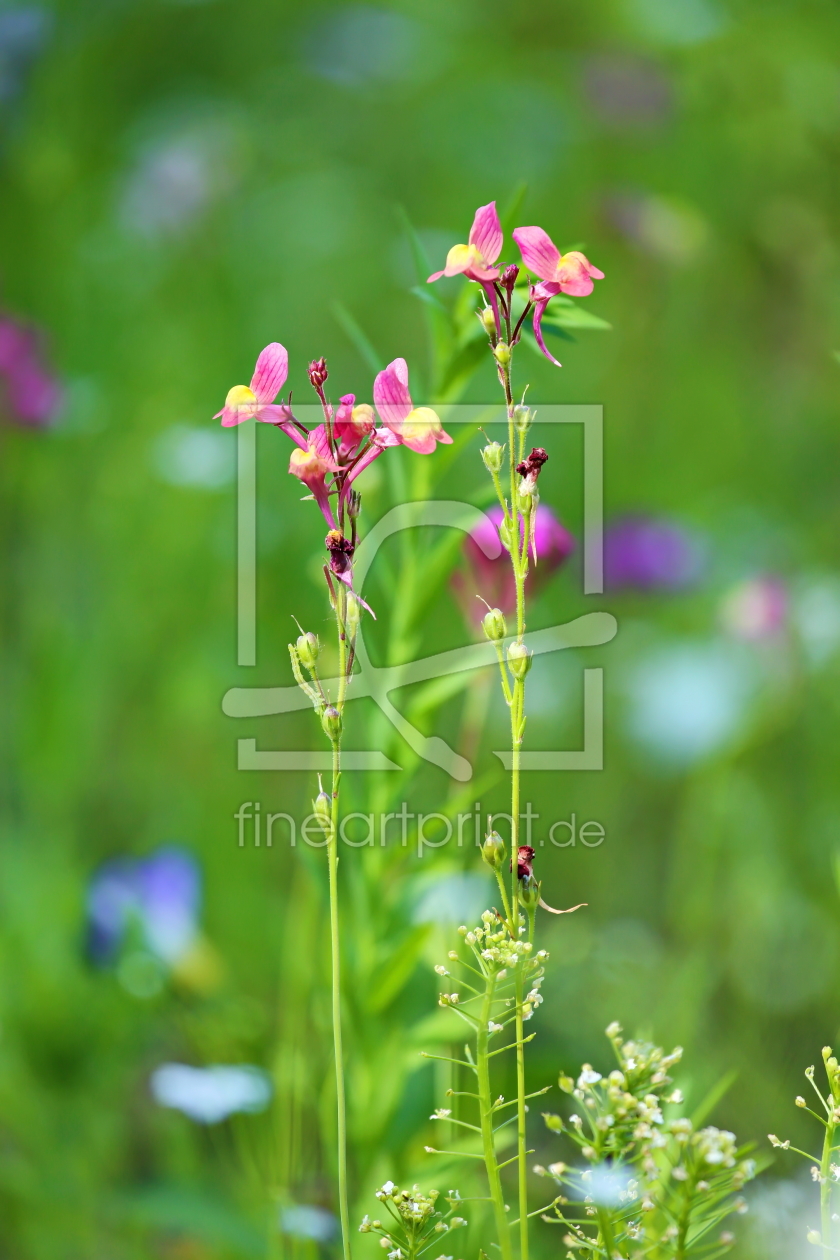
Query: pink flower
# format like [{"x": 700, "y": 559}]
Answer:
[
  {"x": 418, "y": 428},
  {"x": 32, "y": 393},
  {"x": 352, "y": 425},
  {"x": 256, "y": 399},
  {"x": 311, "y": 465},
  {"x": 560, "y": 273},
  {"x": 488, "y": 572},
  {"x": 475, "y": 259}
]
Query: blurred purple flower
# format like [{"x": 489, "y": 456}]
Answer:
[
  {"x": 30, "y": 391},
  {"x": 644, "y": 553},
  {"x": 160, "y": 894},
  {"x": 626, "y": 91},
  {"x": 488, "y": 569}
]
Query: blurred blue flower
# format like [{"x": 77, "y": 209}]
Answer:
[
  {"x": 160, "y": 895},
  {"x": 644, "y": 553},
  {"x": 187, "y": 456},
  {"x": 362, "y": 44},
  {"x": 22, "y": 34},
  {"x": 689, "y": 700},
  {"x": 303, "y": 1221},
  {"x": 211, "y": 1094}
]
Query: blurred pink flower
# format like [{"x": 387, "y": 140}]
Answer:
[
  {"x": 649, "y": 553},
  {"x": 755, "y": 609},
  {"x": 418, "y": 428},
  {"x": 31, "y": 392},
  {"x": 488, "y": 570},
  {"x": 475, "y": 259},
  {"x": 559, "y": 273}
]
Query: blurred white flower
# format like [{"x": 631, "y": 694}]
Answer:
[
  {"x": 449, "y": 899},
  {"x": 211, "y": 1094},
  {"x": 816, "y": 615}
]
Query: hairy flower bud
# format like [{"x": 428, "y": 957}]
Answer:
[
  {"x": 494, "y": 625},
  {"x": 522, "y": 418},
  {"x": 519, "y": 659},
  {"x": 509, "y": 276},
  {"x": 494, "y": 851},
  {"x": 493, "y": 455},
  {"x": 308, "y": 649},
  {"x": 353, "y": 614},
  {"x": 488, "y": 319},
  {"x": 318, "y": 373},
  {"x": 322, "y": 809},
  {"x": 529, "y": 891},
  {"x": 331, "y": 722},
  {"x": 502, "y": 353}
]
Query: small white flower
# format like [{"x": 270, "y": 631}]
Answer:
[
  {"x": 388, "y": 1188},
  {"x": 494, "y": 1028},
  {"x": 441, "y": 970},
  {"x": 442, "y": 1113}
]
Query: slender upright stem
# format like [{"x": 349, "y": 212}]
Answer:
[
  {"x": 485, "y": 1104},
  {"x": 335, "y": 952},
  {"x": 521, "y": 1137},
  {"x": 825, "y": 1188}
]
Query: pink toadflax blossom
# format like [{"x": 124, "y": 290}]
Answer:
[
  {"x": 570, "y": 273},
  {"x": 475, "y": 260},
  {"x": 30, "y": 391},
  {"x": 418, "y": 428},
  {"x": 256, "y": 399}
]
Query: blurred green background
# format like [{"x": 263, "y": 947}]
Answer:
[{"x": 183, "y": 183}]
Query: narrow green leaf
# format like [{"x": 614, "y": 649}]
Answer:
[{"x": 358, "y": 337}]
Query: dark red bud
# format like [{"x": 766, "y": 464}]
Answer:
[
  {"x": 318, "y": 373},
  {"x": 508, "y": 277},
  {"x": 524, "y": 861},
  {"x": 531, "y": 466},
  {"x": 340, "y": 549}
]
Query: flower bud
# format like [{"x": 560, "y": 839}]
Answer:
[
  {"x": 331, "y": 722},
  {"x": 522, "y": 417},
  {"x": 493, "y": 454},
  {"x": 502, "y": 353},
  {"x": 322, "y": 809},
  {"x": 318, "y": 373},
  {"x": 354, "y": 504},
  {"x": 308, "y": 649},
  {"x": 508, "y": 277},
  {"x": 505, "y": 534},
  {"x": 529, "y": 891},
  {"x": 494, "y": 625},
  {"x": 814, "y": 1237},
  {"x": 519, "y": 659},
  {"x": 353, "y": 614},
  {"x": 488, "y": 319},
  {"x": 494, "y": 851},
  {"x": 566, "y": 1083}
]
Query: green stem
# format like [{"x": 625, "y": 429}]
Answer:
[
  {"x": 485, "y": 1105},
  {"x": 335, "y": 951},
  {"x": 520, "y": 1123},
  {"x": 825, "y": 1189}
]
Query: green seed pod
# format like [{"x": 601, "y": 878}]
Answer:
[
  {"x": 519, "y": 659},
  {"x": 322, "y": 809},
  {"x": 505, "y": 534},
  {"x": 308, "y": 649},
  {"x": 502, "y": 353},
  {"x": 494, "y": 625},
  {"x": 331, "y": 722},
  {"x": 493, "y": 455},
  {"x": 522, "y": 417},
  {"x": 488, "y": 319},
  {"x": 529, "y": 891},
  {"x": 494, "y": 851},
  {"x": 353, "y": 614}
]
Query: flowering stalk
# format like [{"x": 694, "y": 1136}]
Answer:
[
  {"x": 327, "y": 460},
  {"x": 498, "y": 973},
  {"x": 570, "y": 273},
  {"x": 824, "y": 1170}
]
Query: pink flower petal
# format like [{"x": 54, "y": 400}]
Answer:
[
  {"x": 270, "y": 373},
  {"x": 390, "y": 394},
  {"x": 539, "y": 311},
  {"x": 486, "y": 233},
  {"x": 281, "y": 418},
  {"x": 539, "y": 253}
]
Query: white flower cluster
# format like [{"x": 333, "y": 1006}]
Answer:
[{"x": 418, "y": 1215}]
